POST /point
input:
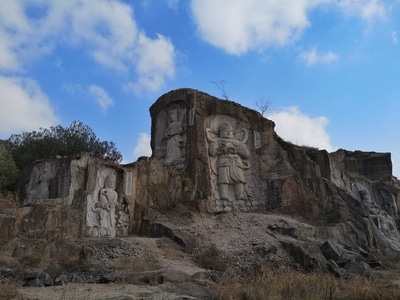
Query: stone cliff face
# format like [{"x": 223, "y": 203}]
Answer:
[{"x": 215, "y": 156}]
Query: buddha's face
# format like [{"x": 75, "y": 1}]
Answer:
[
  {"x": 226, "y": 133},
  {"x": 110, "y": 182},
  {"x": 173, "y": 116}
]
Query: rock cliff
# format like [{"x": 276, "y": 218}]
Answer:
[{"x": 215, "y": 160}]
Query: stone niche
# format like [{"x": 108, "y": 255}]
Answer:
[
  {"x": 170, "y": 135},
  {"x": 52, "y": 179},
  {"x": 215, "y": 142},
  {"x": 107, "y": 212}
]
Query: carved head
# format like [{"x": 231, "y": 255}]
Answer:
[
  {"x": 173, "y": 115},
  {"x": 226, "y": 131},
  {"x": 110, "y": 181}
]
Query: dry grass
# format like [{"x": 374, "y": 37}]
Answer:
[
  {"x": 286, "y": 283},
  {"x": 8, "y": 291},
  {"x": 210, "y": 258},
  {"x": 8, "y": 200},
  {"x": 136, "y": 264}
]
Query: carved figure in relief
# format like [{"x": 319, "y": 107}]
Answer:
[
  {"x": 107, "y": 210},
  {"x": 381, "y": 218},
  {"x": 173, "y": 135},
  {"x": 231, "y": 154},
  {"x": 39, "y": 187},
  {"x": 107, "y": 200}
]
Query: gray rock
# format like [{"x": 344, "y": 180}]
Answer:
[
  {"x": 175, "y": 276},
  {"x": 195, "y": 290},
  {"x": 61, "y": 280},
  {"x": 76, "y": 278},
  {"x": 36, "y": 282},
  {"x": 43, "y": 278},
  {"x": 358, "y": 268},
  {"x": 335, "y": 269},
  {"x": 330, "y": 251}
]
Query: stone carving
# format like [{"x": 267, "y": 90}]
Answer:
[
  {"x": 39, "y": 184},
  {"x": 106, "y": 215},
  {"x": 107, "y": 201},
  {"x": 257, "y": 139},
  {"x": 174, "y": 141},
  {"x": 231, "y": 154},
  {"x": 383, "y": 221},
  {"x": 122, "y": 222},
  {"x": 128, "y": 184},
  {"x": 191, "y": 116}
]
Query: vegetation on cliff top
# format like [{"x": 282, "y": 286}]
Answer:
[{"x": 22, "y": 149}]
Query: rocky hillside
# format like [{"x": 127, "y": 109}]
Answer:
[{"x": 221, "y": 194}]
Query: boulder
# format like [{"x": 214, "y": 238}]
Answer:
[
  {"x": 358, "y": 268},
  {"x": 330, "y": 251},
  {"x": 39, "y": 278},
  {"x": 61, "y": 280}
]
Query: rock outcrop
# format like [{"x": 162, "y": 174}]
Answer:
[{"x": 215, "y": 157}]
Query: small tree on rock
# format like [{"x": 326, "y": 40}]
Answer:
[
  {"x": 263, "y": 105},
  {"x": 220, "y": 84}
]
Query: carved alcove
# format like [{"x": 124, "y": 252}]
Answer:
[
  {"x": 107, "y": 209},
  {"x": 49, "y": 180},
  {"x": 170, "y": 135},
  {"x": 229, "y": 156}
]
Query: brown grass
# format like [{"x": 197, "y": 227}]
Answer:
[
  {"x": 286, "y": 283},
  {"x": 210, "y": 258},
  {"x": 8, "y": 291},
  {"x": 136, "y": 264}
]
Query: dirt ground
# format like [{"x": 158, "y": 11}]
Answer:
[{"x": 100, "y": 291}]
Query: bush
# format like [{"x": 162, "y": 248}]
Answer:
[
  {"x": 30, "y": 146},
  {"x": 8, "y": 169}
]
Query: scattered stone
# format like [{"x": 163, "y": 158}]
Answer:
[{"x": 39, "y": 278}]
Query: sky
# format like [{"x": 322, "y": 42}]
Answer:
[{"x": 329, "y": 68}]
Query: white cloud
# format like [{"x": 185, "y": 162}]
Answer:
[
  {"x": 100, "y": 96},
  {"x": 106, "y": 30},
  {"x": 237, "y": 26},
  {"x": 155, "y": 62},
  {"x": 294, "y": 126},
  {"x": 312, "y": 57},
  {"x": 142, "y": 147},
  {"x": 367, "y": 9},
  {"x": 24, "y": 107}
]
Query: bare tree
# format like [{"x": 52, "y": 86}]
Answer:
[
  {"x": 263, "y": 105},
  {"x": 220, "y": 84}
]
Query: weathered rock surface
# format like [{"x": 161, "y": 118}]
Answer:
[{"x": 219, "y": 176}]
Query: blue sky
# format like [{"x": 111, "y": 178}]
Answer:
[{"x": 331, "y": 68}]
